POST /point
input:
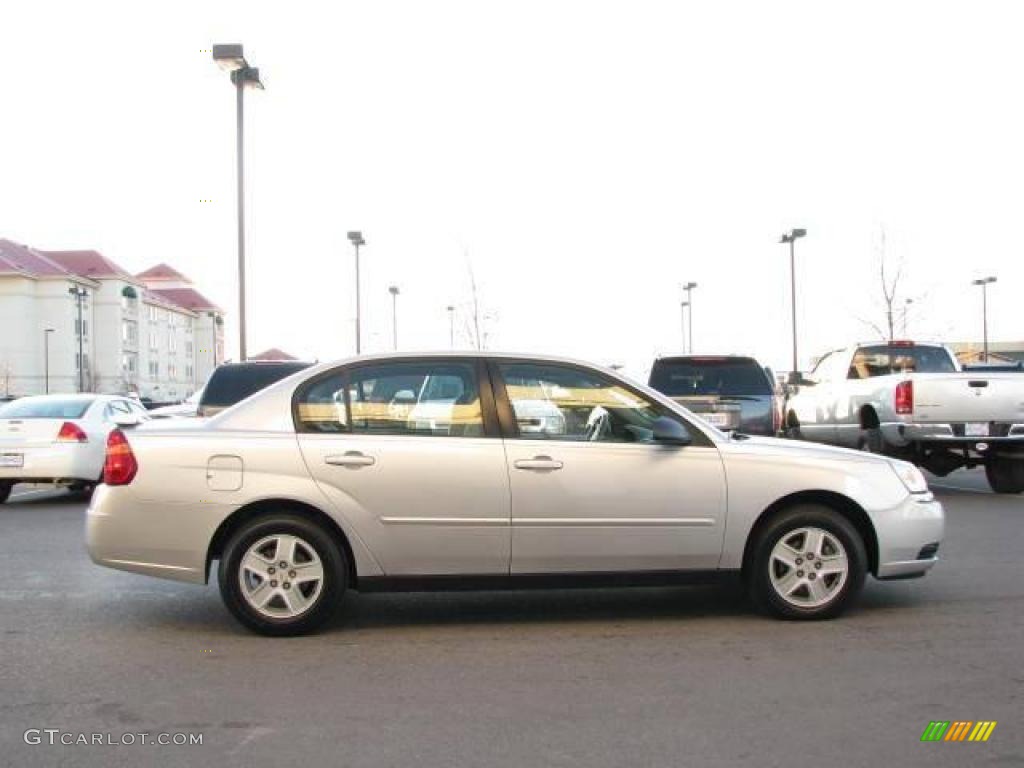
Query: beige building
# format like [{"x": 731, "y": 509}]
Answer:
[{"x": 152, "y": 333}]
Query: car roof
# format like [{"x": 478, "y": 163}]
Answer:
[{"x": 74, "y": 396}]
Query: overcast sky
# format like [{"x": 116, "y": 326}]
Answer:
[{"x": 585, "y": 158}]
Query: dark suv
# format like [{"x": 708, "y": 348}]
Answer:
[
  {"x": 231, "y": 383},
  {"x": 728, "y": 391}
]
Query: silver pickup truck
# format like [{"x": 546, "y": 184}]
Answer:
[{"x": 913, "y": 401}]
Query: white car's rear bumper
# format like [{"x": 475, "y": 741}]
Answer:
[
  {"x": 58, "y": 462},
  {"x": 908, "y": 537}
]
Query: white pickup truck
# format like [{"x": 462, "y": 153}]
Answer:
[{"x": 913, "y": 401}]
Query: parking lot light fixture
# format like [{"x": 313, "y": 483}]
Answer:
[
  {"x": 451, "y": 326},
  {"x": 393, "y": 290},
  {"x": 791, "y": 237},
  {"x": 984, "y": 283},
  {"x": 231, "y": 59},
  {"x": 46, "y": 358},
  {"x": 688, "y": 287},
  {"x": 357, "y": 240},
  {"x": 682, "y": 321}
]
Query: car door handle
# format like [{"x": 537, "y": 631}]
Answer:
[
  {"x": 350, "y": 459},
  {"x": 538, "y": 462}
]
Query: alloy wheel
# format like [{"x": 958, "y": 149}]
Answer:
[
  {"x": 281, "y": 576},
  {"x": 808, "y": 567}
]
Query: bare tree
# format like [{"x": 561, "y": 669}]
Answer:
[
  {"x": 889, "y": 275},
  {"x": 477, "y": 317},
  {"x": 5, "y": 376}
]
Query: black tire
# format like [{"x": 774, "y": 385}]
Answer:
[
  {"x": 764, "y": 593},
  {"x": 792, "y": 429},
  {"x": 872, "y": 442},
  {"x": 1005, "y": 473},
  {"x": 332, "y": 559},
  {"x": 5, "y": 490}
]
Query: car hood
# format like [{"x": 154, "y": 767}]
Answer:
[{"x": 798, "y": 449}]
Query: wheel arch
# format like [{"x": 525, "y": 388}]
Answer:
[
  {"x": 844, "y": 505},
  {"x": 869, "y": 417},
  {"x": 265, "y": 507}
]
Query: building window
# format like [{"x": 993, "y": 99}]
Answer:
[
  {"x": 188, "y": 349},
  {"x": 154, "y": 369},
  {"x": 172, "y": 370},
  {"x": 172, "y": 342},
  {"x": 154, "y": 341},
  {"x": 189, "y": 373}
]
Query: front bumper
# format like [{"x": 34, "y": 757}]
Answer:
[{"x": 908, "y": 537}]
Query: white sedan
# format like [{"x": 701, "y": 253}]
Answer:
[
  {"x": 60, "y": 439},
  {"x": 320, "y": 483}
]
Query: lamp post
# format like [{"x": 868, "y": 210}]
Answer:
[
  {"x": 906, "y": 308},
  {"x": 791, "y": 237},
  {"x": 393, "y": 290},
  {"x": 682, "y": 321},
  {"x": 356, "y": 238},
  {"x": 213, "y": 338},
  {"x": 451, "y": 326},
  {"x": 80, "y": 294},
  {"x": 46, "y": 358},
  {"x": 984, "y": 283},
  {"x": 231, "y": 59},
  {"x": 688, "y": 287}
]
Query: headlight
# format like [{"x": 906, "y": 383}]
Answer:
[{"x": 911, "y": 476}]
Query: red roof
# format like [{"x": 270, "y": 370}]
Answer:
[
  {"x": 273, "y": 354},
  {"x": 21, "y": 260},
  {"x": 88, "y": 264},
  {"x": 189, "y": 298},
  {"x": 162, "y": 272}
]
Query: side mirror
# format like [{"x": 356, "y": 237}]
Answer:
[{"x": 670, "y": 432}]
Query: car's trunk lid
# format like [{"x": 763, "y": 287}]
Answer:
[{"x": 29, "y": 433}]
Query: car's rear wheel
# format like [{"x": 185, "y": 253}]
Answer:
[
  {"x": 809, "y": 562},
  {"x": 1005, "y": 474},
  {"x": 5, "y": 490},
  {"x": 282, "y": 574}
]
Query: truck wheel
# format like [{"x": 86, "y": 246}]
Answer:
[
  {"x": 5, "y": 490},
  {"x": 1005, "y": 473},
  {"x": 872, "y": 441},
  {"x": 808, "y": 563},
  {"x": 792, "y": 430}
]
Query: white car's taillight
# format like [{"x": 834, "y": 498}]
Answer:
[{"x": 71, "y": 433}]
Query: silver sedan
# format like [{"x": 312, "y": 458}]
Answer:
[{"x": 489, "y": 471}]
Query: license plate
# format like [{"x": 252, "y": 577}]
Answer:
[
  {"x": 977, "y": 429},
  {"x": 11, "y": 460},
  {"x": 717, "y": 419}
]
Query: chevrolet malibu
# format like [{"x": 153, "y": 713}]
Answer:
[{"x": 330, "y": 480}]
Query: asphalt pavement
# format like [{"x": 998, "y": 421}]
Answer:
[{"x": 637, "y": 677}]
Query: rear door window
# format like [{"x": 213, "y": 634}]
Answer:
[{"x": 231, "y": 384}]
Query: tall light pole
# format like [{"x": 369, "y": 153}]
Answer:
[
  {"x": 80, "y": 293},
  {"x": 393, "y": 290},
  {"x": 791, "y": 237},
  {"x": 688, "y": 287},
  {"x": 231, "y": 59},
  {"x": 682, "y": 321},
  {"x": 356, "y": 238},
  {"x": 906, "y": 308},
  {"x": 984, "y": 283},
  {"x": 46, "y": 357},
  {"x": 451, "y": 326}
]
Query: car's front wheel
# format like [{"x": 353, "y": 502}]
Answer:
[
  {"x": 809, "y": 562},
  {"x": 5, "y": 490},
  {"x": 282, "y": 574}
]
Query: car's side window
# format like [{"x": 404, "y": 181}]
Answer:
[
  {"x": 556, "y": 402},
  {"x": 431, "y": 398}
]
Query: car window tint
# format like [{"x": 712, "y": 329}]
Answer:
[
  {"x": 232, "y": 383},
  {"x": 320, "y": 407},
  {"x": 697, "y": 376},
  {"x": 45, "y": 409},
  {"x": 553, "y": 402}
]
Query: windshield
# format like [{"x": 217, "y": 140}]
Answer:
[
  {"x": 885, "y": 359},
  {"x": 45, "y": 409},
  {"x": 710, "y": 376}
]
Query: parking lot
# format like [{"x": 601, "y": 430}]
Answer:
[{"x": 676, "y": 676}]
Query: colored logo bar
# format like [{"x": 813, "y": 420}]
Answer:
[{"x": 958, "y": 730}]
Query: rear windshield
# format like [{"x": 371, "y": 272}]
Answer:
[
  {"x": 710, "y": 376},
  {"x": 45, "y": 409},
  {"x": 231, "y": 384},
  {"x": 885, "y": 359}
]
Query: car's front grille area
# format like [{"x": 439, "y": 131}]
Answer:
[{"x": 928, "y": 551}]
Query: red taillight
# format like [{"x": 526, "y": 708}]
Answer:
[
  {"x": 71, "y": 433},
  {"x": 120, "y": 466},
  {"x": 905, "y": 397}
]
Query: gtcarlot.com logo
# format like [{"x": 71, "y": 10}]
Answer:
[
  {"x": 958, "y": 730},
  {"x": 55, "y": 736}
]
